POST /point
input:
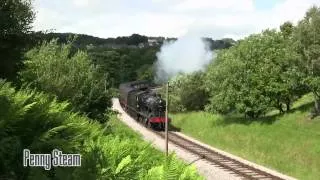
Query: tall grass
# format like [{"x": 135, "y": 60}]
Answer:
[{"x": 289, "y": 143}]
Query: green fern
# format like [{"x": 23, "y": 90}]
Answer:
[
  {"x": 40, "y": 123},
  {"x": 124, "y": 162}
]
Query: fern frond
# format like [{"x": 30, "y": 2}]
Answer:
[{"x": 124, "y": 162}]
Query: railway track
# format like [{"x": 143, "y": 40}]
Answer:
[{"x": 225, "y": 162}]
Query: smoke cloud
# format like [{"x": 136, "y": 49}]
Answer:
[{"x": 186, "y": 55}]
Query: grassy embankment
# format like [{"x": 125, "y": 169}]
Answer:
[{"x": 289, "y": 143}]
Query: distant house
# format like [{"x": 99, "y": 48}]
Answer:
[
  {"x": 90, "y": 46},
  {"x": 153, "y": 42},
  {"x": 141, "y": 45}
]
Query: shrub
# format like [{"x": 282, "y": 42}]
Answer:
[
  {"x": 187, "y": 93},
  {"x": 70, "y": 76}
]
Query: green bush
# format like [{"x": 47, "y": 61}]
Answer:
[
  {"x": 70, "y": 76},
  {"x": 187, "y": 92}
]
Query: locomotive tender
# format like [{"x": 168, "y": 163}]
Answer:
[{"x": 141, "y": 100}]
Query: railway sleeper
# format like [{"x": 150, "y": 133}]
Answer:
[{"x": 244, "y": 170}]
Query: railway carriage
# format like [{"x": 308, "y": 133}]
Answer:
[{"x": 141, "y": 101}]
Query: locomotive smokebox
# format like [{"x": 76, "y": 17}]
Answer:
[{"x": 142, "y": 100}]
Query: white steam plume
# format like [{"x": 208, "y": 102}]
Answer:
[{"x": 186, "y": 55}]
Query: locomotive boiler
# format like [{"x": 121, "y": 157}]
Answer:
[{"x": 141, "y": 100}]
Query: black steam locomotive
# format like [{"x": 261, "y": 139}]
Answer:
[{"x": 141, "y": 100}]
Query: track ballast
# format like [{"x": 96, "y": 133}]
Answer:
[{"x": 225, "y": 162}]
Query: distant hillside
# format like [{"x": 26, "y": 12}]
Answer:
[{"x": 133, "y": 41}]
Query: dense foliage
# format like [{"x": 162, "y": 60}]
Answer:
[
  {"x": 307, "y": 36},
  {"x": 255, "y": 75},
  {"x": 84, "y": 40},
  {"x": 54, "y": 69},
  {"x": 187, "y": 92},
  {"x": 125, "y": 64},
  {"x": 35, "y": 121},
  {"x": 133, "y": 41},
  {"x": 15, "y": 23}
]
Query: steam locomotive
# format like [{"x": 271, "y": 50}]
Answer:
[{"x": 141, "y": 100}]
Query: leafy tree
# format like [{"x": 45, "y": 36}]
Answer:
[
  {"x": 16, "y": 17},
  {"x": 219, "y": 44},
  {"x": 187, "y": 92},
  {"x": 145, "y": 72},
  {"x": 54, "y": 69},
  {"x": 254, "y": 75},
  {"x": 307, "y": 35},
  {"x": 223, "y": 82},
  {"x": 109, "y": 63},
  {"x": 136, "y": 39},
  {"x": 287, "y": 29}
]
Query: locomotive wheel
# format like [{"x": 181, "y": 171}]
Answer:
[
  {"x": 149, "y": 125},
  {"x": 145, "y": 122},
  {"x": 160, "y": 126}
]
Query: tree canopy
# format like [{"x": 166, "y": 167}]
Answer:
[
  {"x": 16, "y": 17},
  {"x": 307, "y": 36}
]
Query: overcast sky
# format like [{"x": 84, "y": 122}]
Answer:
[{"x": 169, "y": 18}]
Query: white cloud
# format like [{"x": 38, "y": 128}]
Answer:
[
  {"x": 116, "y": 24},
  {"x": 217, "y": 19},
  {"x": 81, "y": 3},
  {"x": 158, "y": 23},
  {"x": 237, "y": 5},
  {"x": 49, "y": 19}
]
